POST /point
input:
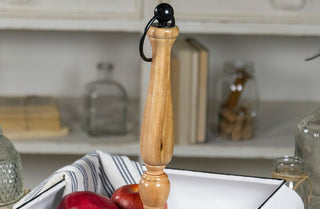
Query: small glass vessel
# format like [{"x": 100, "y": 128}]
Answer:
[
  {"x": 292, "y": 169},
  {"x": 308, "y": 148},
  {"x": 105, "y": 104},
  {"x": 238, "y": 101},
  {"x": 11, "y": 174}
]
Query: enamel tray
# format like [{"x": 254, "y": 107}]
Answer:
[{"x": 190, "y": 189}]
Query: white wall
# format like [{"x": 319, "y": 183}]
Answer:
[{"x": 61, "y": 63}]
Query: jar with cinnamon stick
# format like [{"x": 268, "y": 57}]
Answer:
[{"x": 238, "y": 101}]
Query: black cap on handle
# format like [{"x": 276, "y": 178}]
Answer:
[{"x": 163, "y": 13}]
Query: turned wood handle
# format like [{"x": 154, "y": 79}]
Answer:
[{"x": 156, "y": 142}]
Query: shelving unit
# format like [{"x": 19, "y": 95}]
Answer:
[
  {"x": 202, "y": 16},
  {"x": 61, "y": 35},
  {"x": 275, "y": 138},
  {"x": 80, "y": 144}
]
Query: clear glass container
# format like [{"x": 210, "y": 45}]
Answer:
[
  {"x": 238, "y": 101},
  {"x": 105, "y": 104},
  {"x": 308, "y": 148},
  {"x": 11, "y": 174},
  {"x": 292, "y": 169}
]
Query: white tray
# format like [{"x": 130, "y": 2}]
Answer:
[{"x": 201, "y": 190}]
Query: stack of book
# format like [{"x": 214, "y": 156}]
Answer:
[
  {"x": 189, "y": 73},
  {"x": 30, "y": 117}
]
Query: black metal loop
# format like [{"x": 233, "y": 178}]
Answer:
[{"x": 142, "y": 40}]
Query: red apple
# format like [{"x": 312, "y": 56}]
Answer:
[
  {"x": 86, "y": 200},
  {"x": 127, "y": 197}
]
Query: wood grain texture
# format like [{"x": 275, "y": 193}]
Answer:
[{"x": 156, "y": 142}]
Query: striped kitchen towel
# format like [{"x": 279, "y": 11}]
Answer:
[{"x": 97, "y": 171}]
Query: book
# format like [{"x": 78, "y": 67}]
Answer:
[
  {"x": 202, "y": 89},
  {"x": 184, "y": 79},
  {"x": 30, "y": 116},
  {"x": 175, "y": 83}
]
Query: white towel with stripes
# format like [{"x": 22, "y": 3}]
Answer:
[{"x": 97, "y": 171}]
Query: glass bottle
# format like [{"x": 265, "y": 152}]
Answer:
[
  {"x": 105, "y": 104},
  {"x": 11, "y": 174},
  {"x": 292, "y": 169},
  {"x": 238, "y": 101},
  {"x": 307, "y": 147}
]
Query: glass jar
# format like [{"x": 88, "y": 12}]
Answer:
[
  {"x": 105, "y": 104},
  {"x": 11, "y": 174},
  {"x": 238, "y": 101},
  {"x": 308, "y": 148},
  {"x": 292, "y": 169}
]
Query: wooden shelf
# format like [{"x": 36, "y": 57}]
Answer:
[
  {"x": 249, "y": 29},
  {"x": 132, "y": 16},
  {"x": 186, "y": 27},
  {"x": 78, "y": 144},
  {"x": 77, "y": 141},
  {"x": 275, "y": 138}
]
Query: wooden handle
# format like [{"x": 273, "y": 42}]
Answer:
[{"x": 156, "y": 143}]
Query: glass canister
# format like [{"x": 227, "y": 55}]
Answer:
[
  {"x": 105, "y": 104},
  {"x": 292, "y": 169},
  {"x": 238, "y": 101},
  {"x": 11, "y": 174},
  {"x": 308, "y": 148}
]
